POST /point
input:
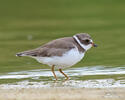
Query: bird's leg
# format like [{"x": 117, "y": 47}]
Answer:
[
  {"x": 54, "y": 72},
  {"x": 64, "y": 74}
]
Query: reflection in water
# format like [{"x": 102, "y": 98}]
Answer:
[{"x": 89, "y": 77}]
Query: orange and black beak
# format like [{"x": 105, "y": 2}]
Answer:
[{"x": 94, "y": 45}]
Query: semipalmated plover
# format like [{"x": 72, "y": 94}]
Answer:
[{"x": 62, "y": 52}]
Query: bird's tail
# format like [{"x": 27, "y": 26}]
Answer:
[
  {"x": 20, "y": 54},
  {"x": 26, "y": 53}
]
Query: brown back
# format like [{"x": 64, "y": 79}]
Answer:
[{"x": 54, "y": 48}]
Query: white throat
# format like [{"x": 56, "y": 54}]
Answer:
[{"x": 86, "y": 47}]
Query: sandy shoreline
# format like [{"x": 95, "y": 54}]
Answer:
[{"x": 63, "y": 94}]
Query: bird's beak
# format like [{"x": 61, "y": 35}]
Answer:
[{"x": 94, "y": 45}]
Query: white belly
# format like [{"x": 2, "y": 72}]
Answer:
[{"x": 68, "y": 59}]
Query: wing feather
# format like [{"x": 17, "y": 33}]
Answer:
[{"x": 53, "y": 48}]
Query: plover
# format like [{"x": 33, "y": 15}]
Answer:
[{"x": 62, "y": 52}]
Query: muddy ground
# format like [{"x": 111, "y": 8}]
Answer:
[{"x": 63, "y": 94}]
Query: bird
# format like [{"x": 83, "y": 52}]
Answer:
[{"x": 62, "y": 52}]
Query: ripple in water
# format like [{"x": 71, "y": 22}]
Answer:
[{"x": 88, "y": 77}]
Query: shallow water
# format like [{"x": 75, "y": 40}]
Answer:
[{"x": 88, "y": 77}]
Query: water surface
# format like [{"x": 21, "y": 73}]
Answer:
[{"x": 88, "y": 77}]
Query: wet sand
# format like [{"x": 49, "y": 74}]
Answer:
[{"x": 63, "y": 94}]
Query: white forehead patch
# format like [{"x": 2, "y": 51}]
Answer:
[{"x": 86, "y": 47}]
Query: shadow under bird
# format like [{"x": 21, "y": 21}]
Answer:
[{"x": 62, "y": 52}]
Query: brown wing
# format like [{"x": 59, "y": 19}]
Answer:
[{"x": 53, "y": 48}]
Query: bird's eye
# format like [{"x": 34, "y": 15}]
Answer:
[{"x": 87, "y": 40}]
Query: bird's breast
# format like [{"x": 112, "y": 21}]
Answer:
[{"x": 68, "y": 59}]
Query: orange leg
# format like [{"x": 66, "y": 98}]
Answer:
[
  {"x": 54, "y": 72},
  {"x": 64, "y": 74}
]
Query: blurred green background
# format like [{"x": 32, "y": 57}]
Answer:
[{"x": 27, "y": 24}]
